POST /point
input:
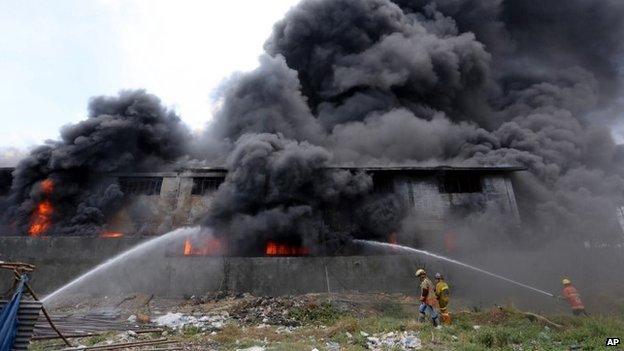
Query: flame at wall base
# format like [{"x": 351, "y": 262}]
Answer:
[
  {"x": 111, "y": 235},
  {"x": 280, "y": 249},
  {"x": 41, "y": 219},
  {"x": 42, "y": 216},
  {"x": 204, "y": 247}
]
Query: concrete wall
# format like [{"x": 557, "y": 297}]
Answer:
[
  {"x": 176, "y": 206},
  {"x": 62, "y": 259},
  {"x": 59, "y": 258},
  {"x": 434, "y": 209}
]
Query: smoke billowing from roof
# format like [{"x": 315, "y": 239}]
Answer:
[
  {"x": 376, "y": 82},
  {"x": 130, "y": 132}
]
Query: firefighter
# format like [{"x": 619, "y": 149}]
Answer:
[
  {"x": 427, "y": 298},
  {"x": 443, "y": 295},
  {"x": 574, "y": 298}
]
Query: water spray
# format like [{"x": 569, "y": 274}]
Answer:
[
  {"x": 431, "y": 254},
  {"x": 140, "y": 249}
]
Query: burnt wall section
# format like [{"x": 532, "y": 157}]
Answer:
[
  {"x": 435, "y": 195},
  {"x": 155, "y": 203},
  {"x": 183, "y": 200},
  {"x": 436, "y": 204}
]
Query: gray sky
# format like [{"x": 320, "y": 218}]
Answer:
[{"x": 54, "y": 55}]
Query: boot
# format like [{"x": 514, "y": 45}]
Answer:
[
  {"x": 421, "y": 318},
  {"x": 436, "y": 322},
  {"x": 446, "y": 318}
]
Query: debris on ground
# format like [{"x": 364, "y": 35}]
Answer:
[
  {"x": 404, "y": 341},
  {"x": 333, "y": 322},
  {"x": 179, "y": 321}
]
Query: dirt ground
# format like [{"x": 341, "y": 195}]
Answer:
[{"x": 315, "y": 321}]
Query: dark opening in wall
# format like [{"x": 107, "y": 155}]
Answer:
[
  {"x": 141, "y": 185},
  {"x": 6, "y": 178},
  {"x": 383, "y": 183},
  {"x": 204, "y": 185},
  {"x": 460, "y": 182}
]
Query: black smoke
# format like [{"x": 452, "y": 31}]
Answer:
[
  {"x": 125, "y": 133},
  {"x": 377, "y": 82},
  {"x": 467, "y": 82}
]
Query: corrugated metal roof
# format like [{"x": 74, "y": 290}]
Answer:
[{"x": 27, "y": 316}]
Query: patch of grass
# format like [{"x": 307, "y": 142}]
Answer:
[
  {"x": 92, "y": 340},
  {"x": 591, "y": 332},
  {"x": 229, "y": 334},
  {"x": 324, "y": 314},
  {"x": 392, "y": 309},
  {"x": 473, "y": 347},
  {"x": 490, "y": 338},
  {"x": 294, "y": 345},
  {"x": 191, "y": 330}
]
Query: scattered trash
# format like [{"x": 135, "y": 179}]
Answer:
[
  {"x": 253, "y": 348},
  {"x": 407, "y": 340},
  {"x": 180, "y": 321},
  {"x": 332, "y": 346}
]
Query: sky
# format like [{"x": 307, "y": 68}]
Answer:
[{"x": 55, "y": 55}]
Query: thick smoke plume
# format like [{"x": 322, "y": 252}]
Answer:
[
  {"x": 450, "y": 82},
  {"x": 377, "y": 82},
  {"x": 130, "y": 132}
]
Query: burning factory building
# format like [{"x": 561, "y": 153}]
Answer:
[
  {"x": 155, "y": 203},
  {"x": 474, "y": 133}
]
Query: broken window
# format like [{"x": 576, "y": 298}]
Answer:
[
  {"x": 451, "y": 183},
  {"x": 141, "y": 185},
  {"x": 204, "y": 185},
  {"x": 6, "y": 178},
  {"x": 382, "y": 183}
]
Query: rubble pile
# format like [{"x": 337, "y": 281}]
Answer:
[
  {"x": 179, "y": 321},
  {"x": 407, "y": 340},
  {"x": 268, "y": 310}
]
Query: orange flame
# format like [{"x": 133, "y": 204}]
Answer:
[
  {"x": 188, "y": 247},
  {"x": 42, "y": 216},
  {"x": 392, "y": 239},
  {"x": 279, "y": 249},
  {"x": 110, "y": 235},
  {"x": 207, "y": 247},
  {"x": 47, "y": 186}
]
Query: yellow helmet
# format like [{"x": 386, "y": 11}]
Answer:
[
  {"x": 566, "y": 281},
  {"x": 420, "y": 272}
]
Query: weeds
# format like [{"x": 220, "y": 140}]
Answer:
[{"x": 324, "y": 314}]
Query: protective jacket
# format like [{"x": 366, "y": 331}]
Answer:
[
  {"x": 573, "y": 297},
  {"x": 442, "y": 292},
  {"x": 427, "y": 291}
]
